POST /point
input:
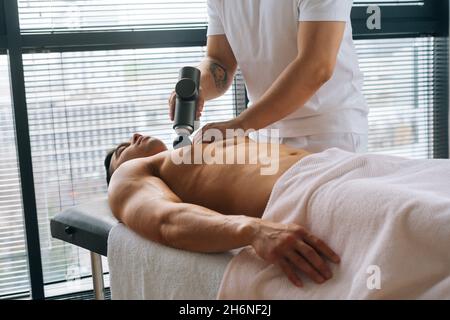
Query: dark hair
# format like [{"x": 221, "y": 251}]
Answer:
[{"x": 107, "y": 164}]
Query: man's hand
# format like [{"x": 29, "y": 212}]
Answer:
[
  {"x": 293, "y": 248},
  {"x": 200, "y": 105},
  {"x": 216, "y": 131}
]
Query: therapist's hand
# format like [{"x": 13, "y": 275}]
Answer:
[
  {"x": 216, "y": 131},
  {"x": 200, "y": 106},
  {"x": 294, "y": 249}
]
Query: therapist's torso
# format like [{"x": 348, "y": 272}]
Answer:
[{"x": 263, "y": 37}]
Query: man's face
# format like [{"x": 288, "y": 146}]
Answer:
[{"x": 139, "y": 146}]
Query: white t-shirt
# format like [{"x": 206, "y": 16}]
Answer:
[{"x": 263, "y": 37}]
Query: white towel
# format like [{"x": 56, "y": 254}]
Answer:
[
  {"x": 387, "y": 217},
  {"x": 141, "y": 269}
]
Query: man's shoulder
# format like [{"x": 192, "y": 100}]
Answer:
[
  {"x": 132, "y": 172},
  {"x": 132, "y": 167},
  {"x": 130, "y": 177}
]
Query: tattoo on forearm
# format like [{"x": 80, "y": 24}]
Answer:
[{"x": 219, "y": 74}]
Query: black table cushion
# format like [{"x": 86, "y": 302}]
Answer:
[{"x": 87, "y": 225}]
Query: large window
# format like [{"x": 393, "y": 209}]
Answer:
[{"x": 96, "y": 71}]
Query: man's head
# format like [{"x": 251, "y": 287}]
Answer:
[{"x": 139, "y": 146}]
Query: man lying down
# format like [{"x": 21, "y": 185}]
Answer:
[{"x": 338, "y": 225}]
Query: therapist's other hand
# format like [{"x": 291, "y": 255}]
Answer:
[
  {"x": 216, "y": 131},
  {"x": 294, "y": 249},
  {"x": 173, "y": 99}
]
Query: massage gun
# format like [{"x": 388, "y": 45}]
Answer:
[{"x": 187, "y": 93}]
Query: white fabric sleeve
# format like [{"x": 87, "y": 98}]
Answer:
[
  {"x": 324, "y": 10},
  {"x": 215, "y": 26}
]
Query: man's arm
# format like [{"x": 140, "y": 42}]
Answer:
[
  {"x": 147, "y": 205},
  {"x": 150, "y": 208},
  {"x": 318, "y": 47},
  {"x": 217, "y": 68}
]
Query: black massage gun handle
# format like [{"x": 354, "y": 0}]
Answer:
[{"x": 187, "y": 94}]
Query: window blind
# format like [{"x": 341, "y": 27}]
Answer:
[
  {"x": 403, "y": 85},
  {"x": 80, "y": 105},
  {"x": 37, "y": 16},
  {"x": 13, "y": 257},
  {"x": 87, "y": 15}
]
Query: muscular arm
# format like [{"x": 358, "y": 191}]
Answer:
[
  {"x": 151, "y": 209},
  {"x": 318, "y": 47},
  {"x": 218, "y": 67}
]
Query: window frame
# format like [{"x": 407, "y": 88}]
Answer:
[
  {"x": 399, "y": 21},
  {"x": 3, "y": 41}
]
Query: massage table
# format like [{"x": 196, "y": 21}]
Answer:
[
  {"x": 87, "y": 226},
  {"x": 172, "y": 274},
  {"x": 380, "y": 212}
]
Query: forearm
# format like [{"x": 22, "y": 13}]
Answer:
[
  {"x": 187, "y": 226},
  {"x": 293, "y": 88},
  {"x": 195, "y": 228},
  {"x": 216, "y": 79}
]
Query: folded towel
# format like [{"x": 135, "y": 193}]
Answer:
[
  {"x": 387, "y": 217},
  {"x": 141, "y": 269}
]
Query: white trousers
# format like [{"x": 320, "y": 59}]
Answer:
[{"x": 352, "y": 142}]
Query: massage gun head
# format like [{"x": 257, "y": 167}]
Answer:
[
  {"x": 181, "y": 141},
  {"x": 187, "y": 93}
]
